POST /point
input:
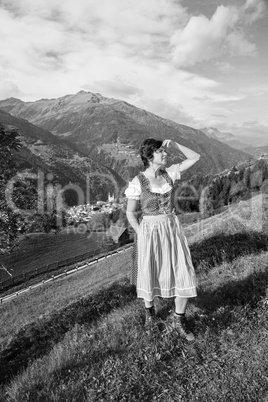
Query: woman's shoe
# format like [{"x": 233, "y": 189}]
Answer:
[
  {"x": 150, "y": 317},
  {"x": 178, "y": 323}
]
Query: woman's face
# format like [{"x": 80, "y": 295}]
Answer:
[{"x": 160, "y": 157}]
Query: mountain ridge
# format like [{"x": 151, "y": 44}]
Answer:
[
  {"x": 231, "y": 140},
  {"x": 95, "y": 124}
]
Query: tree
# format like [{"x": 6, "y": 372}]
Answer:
[
  {"x": 19, "y": 197},
  {"x": 206, "y": 204},
  {"x": 9, "y": 219},
  {"x": 246, "y": 177}
]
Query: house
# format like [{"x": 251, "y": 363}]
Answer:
[
  {"x": 39, "y": 142},
  {"x": 119, "y": 234}
]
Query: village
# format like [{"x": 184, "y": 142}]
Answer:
[
  {"x": 80, "y": 216},
  {"x": 84, "y": 213}
]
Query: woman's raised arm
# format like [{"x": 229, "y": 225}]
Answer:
[{"x": 192, "y": 156}]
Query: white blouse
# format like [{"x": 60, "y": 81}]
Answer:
[{"x": 133, "y": 190}]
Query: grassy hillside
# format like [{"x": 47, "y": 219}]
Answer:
[
  {"x": 241, "y": 217},
  {"x": 82, "y": 338}
]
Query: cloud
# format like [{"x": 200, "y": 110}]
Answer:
[
  {"x": 167, "y": 110},
  {"x": 220, "y": 98},
  {"x": 9, "y": 89},
  {"x": 253, "y": 132},
  {"x": 84, "y": 38},
  {"x": 204, "y": 39},
  {"x": 204, "y": 98},
  {"x": 148, "y": 52},
  {"x": 237, "y": 44},
  {"x": 32, "y": 41},
  {"x": 224, "y": 67},
  {"x": 69, "y": 36},
  {"x": 116, "y": 88},
  {"x": 201, "y": 37},
  {"x": 135, "y": 26},
  {"x": 219, "y": 115},
  {"x": 253, "y": 10}
]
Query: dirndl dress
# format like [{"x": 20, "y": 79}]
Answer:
[{"x": 162, "y": 255}]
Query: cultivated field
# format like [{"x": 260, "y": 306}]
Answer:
[
  {"x": 82, "y": 338},
  {"x": 38, "y": 250}
]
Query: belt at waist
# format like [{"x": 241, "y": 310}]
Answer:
[{"x": 158, "y": 217}]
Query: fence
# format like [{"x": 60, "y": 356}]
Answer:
[
  {"x": 67, "y": 272},
  {"x": 23, "y": 277}
]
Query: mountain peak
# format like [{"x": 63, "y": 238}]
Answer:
[
  {"x": 11, "y": 100},
  {"x": 211, "y": 131},
  {"x": 84, "y": 97},
  {"x": 229, "y": 139}
]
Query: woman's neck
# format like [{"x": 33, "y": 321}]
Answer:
[{"x": 153, "y": 171}]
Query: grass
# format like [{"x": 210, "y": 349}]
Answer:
[
  {"x": 82, "y": 338},
  {"x": 243, "y": 217},
  {"x": 21, "y": 312},
  {"x": 40, "y": 250},
  {"x": 97, "y": 350}
]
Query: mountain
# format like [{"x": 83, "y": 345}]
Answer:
[
  {"x": 231, "y": 140},
  {"x": 109, "y": 131},
  {"x": 262, "y": 150},
  {"x": 46, "y": 153}
]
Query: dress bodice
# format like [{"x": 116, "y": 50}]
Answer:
[{"x": 153, "y": 203}]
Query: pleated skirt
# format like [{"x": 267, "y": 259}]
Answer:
[{"x": 165, "y": 266}]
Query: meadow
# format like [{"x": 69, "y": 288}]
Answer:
[{"x": 82, "y": 338}]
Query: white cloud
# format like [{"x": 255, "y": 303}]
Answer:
[
  {"x": 253, "y": 132},
  {"x": 253, "y": 10},
  {"x": 203, "y": 98},
  {"x": 224, "y": 67},
  {"x": 237, "y": 44},
  {"x": 131, "y": 50},
  {"x": 202, "y": 38},
  {"x": 134, "y": 25},
  {"x": 168, "y": 110},
  {"x": 219, "y": 98},
  {"x": 114, "y": 88},
  {"x": 85, "y": 39},
  {"x": 9, "y": 89},
  {"x": 223, "y": 34}
]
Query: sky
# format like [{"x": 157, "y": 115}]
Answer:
[{"x": 201, "y": 63}]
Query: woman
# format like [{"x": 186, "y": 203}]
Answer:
[{"x": 164, "y": 262}]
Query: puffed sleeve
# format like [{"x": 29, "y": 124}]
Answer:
[
  {"x": 133, "y": 190},
  {"x": 174, "y": 172}
]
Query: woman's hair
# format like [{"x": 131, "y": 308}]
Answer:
[{"x": 147, "y": 148}]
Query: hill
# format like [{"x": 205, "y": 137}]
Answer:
[
  {"x": 39, "y": 250},
  {"x": 68, "y": 165},
  {"x": 209, "y": 194},
  {"x": 84, "y": 339},
  {"x": 110, "y": 131}
]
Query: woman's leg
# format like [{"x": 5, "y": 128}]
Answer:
[
  {"x": 178, "y": 318},
  {"x": 149, "y": 314},
  {"x": 180, "y": 304},
  {"x": 148, "y": 304}
]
